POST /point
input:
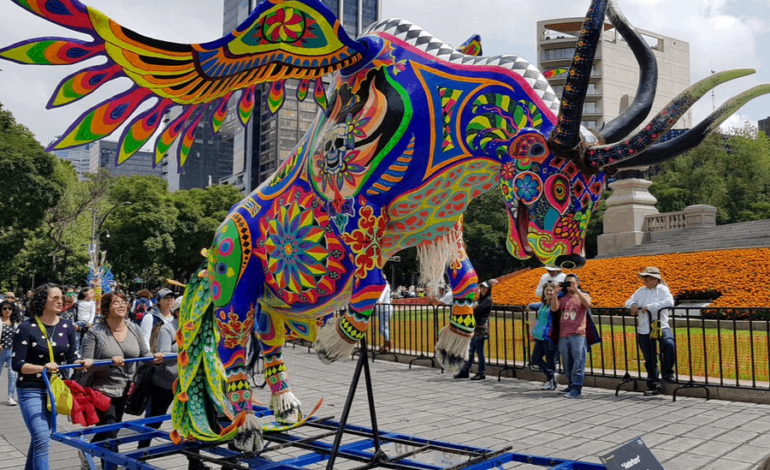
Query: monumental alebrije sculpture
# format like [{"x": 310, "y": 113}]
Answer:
[{"x": 411, "y": 131}]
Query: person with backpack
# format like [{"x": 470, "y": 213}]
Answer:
[
  {"x": 141, "y": 305},
  {"x": 159, "y": 315}
]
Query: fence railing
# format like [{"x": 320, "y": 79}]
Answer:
[{"x": 715, "y": 347}]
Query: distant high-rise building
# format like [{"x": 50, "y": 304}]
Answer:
[
  {"x": 80, "y": 157},
  {"x": 764, "y": 125},
  {"x": 209, "y": 160},
  {"x": 261, "y": 147},
  {"x": 103, "y": 154},
  {"x": 615, "y": 73}
]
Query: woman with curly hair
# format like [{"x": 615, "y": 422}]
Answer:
[
  {"x": 31, "y": 359},
  {"x": 10, "y": 319}
]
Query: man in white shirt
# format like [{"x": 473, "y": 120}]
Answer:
[
  {"x": 650, "y": 304},
  {"x": 554, "y": 275}
]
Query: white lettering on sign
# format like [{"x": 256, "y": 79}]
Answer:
[{"x": 631, "y": 462}]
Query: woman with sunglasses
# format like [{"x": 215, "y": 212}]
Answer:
[
  {"x": 11, "y": 317},
  {"x": 32, "y": 358}
]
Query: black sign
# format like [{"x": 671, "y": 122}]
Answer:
[{"x": 631, "y": 456}]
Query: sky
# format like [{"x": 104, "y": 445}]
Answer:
[{"x": 723, "y": 35}]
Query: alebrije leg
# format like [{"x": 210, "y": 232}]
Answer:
[
  {"x": 284, "y": 405},
  {"x": 452, "y": 345}
]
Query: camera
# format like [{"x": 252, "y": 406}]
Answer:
[{"x": 565, "y": 284}]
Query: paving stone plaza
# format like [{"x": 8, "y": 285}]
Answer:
[{"x": 691, "y": 433}]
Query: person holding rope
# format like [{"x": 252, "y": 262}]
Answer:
[
  {"x": 649, "y": 303},
  {"x": 32, "y": 358}
]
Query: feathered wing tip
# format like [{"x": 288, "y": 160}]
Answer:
[
  {"x": 246, "y": 105},
  {"x": 82, "y": 83},
  {"x": 103, "y": 119},
  {"x": 68, "y": 13},
  {"x": 170, "y": 134},
  {"x": 188, "y": 138},
  {"x": 302, "y": 89},
  {"x": 218, "y": 116},
  {"x": 140, "y": 130},
  {"x": 276, "y": 96},
  {"x": 319, "y": 94}
]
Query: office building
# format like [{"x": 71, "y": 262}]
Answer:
[
  {"x": 210, "y": 158},
  {"x": 103, "y": 154},
  {"x": 79, "y": 157},
  {"x": 615, "y": 74},
  {"x": 261, "y": 147}
]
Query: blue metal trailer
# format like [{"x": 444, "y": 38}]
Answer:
[{"x": 308, "y": 447}]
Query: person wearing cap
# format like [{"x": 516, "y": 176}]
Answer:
[
  {"x": 650, "y": 303},
  {"x": 553, "y": 274},
  {"x": 480, "y": 334},
  {"x": 159, "y": 315}
]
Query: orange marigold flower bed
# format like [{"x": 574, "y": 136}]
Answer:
[{"x": 739, "y": 277}]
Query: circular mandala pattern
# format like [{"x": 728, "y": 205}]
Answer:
[
  {"x": 284, "y": 25},
  {"x": 557, "y": 191},
  {"x": 226, "y": 247},
  {"x": 216, "y": 290},
  {"x": 528, "y": 187}
]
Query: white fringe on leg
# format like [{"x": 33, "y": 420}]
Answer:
[
  {"x": 249, "y": 435},
  {"x": 330, "y": 345},
  {"x": 452, "y": 349},
  {"x": 434, "y": 258},
  {"x": 286, "y": 407}
]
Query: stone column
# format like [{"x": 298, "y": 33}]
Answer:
[
  {"x": 700, "y": 216},
  {"x": 630, "y": 202}
]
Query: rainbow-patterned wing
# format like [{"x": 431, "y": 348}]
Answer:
[
  {"x": 281, "y": 39},
  {"x": 472, "y": 46},
  {"x": 552, "y": 73}
]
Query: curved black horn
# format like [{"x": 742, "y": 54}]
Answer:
[
  {"x": 600, "y": 156},
  {"x": 635, "y": 114},
  {"x": 661, "y": 152},
  {"x": 566, "y": 135}
]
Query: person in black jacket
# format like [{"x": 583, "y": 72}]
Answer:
[{"x": 480, "y": 334}]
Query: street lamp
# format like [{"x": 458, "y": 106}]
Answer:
[{"x": 97, "y": 229}]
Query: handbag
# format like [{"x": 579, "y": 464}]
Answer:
[
  {"x": 139, "y": 390},
  {"x": 61, "y": 393}
]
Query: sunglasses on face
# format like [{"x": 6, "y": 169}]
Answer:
[{"x": 7, "y": 308}]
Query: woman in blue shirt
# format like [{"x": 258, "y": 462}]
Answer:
[{"x": 544, "y": 352}]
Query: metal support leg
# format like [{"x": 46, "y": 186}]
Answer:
[{"x": 363, "y": 363}]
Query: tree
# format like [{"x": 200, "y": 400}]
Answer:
[{"x": 33, "y": 182}]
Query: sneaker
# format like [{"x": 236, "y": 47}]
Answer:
[
  {"x": 479, "y": 377},
  {"x": 461, "y": 375},
  {"x": 565, "y": 390},
  {"x": 572, "y": 394},
  {"x": 546, "y": 385},
  {"x": 11, "y": 401},
  {"x": 651, "y": 393},
  {"x": 669, "y": 379}
]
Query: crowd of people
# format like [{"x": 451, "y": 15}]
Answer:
[
  {"x": 57, "y": 325},
  {"x": 60, "y": 325}
]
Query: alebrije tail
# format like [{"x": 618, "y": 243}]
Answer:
[{"x": 200, "y": 387}]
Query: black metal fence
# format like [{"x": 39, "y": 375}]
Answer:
[{"x": 716, "y": 347}]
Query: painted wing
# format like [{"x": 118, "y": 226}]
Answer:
[{"x": 281, "y": 39}]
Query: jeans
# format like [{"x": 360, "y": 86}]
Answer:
[
  {"x": 573, "y": 358},
  {"x": 384, "y": 312},
  {"x": 649, "y": 348},
  {"x": 5, "y": 360},
  {"x": 544, "y": 357},
  {"x": 160, "y": 399},
  {"x": 32, "y": 402},
  {"x": 477, "y": 347}
]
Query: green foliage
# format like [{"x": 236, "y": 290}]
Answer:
[
  {"x": 33, "y": 182},
  {"x": 729, "y": 172}
]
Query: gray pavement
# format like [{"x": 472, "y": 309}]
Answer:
[{"x": 690, "y": 434}]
